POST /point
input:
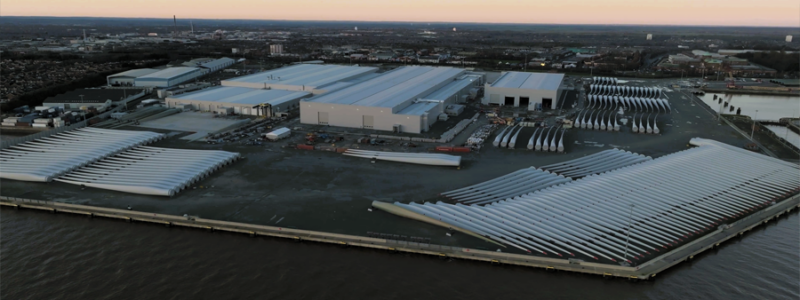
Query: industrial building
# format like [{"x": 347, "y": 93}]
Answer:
[
  {"x": 168, "y": 77},
  {"x": 302, "y": 77},
  {"x": 210, "y": 65},
  {"x": 74, "y": 100},
  {"x": 521, "y": 89},
  {"x": 127, "y": 78},
  {"x": 171, "y": 76},
  {"x": 239, "y": 100},
  {"x": 407, "y": 99}
]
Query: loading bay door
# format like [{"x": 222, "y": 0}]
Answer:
[
  {"x": 322, "y": 118},
  {"x": 547, "y": 103},
  {"x": 369, "y": 122},
  {"x": 524, "y": 101}
]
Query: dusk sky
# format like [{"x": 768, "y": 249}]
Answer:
[{"x": 656, "y": 12}]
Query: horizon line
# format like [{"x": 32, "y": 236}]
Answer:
[{"x": 417, "y": 22}]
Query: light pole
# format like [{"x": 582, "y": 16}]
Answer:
[
  {"x": 525, "y": 65},
  {"x": 628, "y": 235},
  {"x": 754, "y": 126}
]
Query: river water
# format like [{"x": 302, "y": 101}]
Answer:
[
  {"x": 45, "y": 256},
  {"x": 769, "y": 107}
]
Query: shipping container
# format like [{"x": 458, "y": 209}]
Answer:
[
  {"x": 444, "y": 149},
  {"x": 462, "y": 149}
]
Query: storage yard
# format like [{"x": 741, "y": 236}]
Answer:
[{"x": 332, "y": 187}]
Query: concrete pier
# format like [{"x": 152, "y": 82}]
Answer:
[{"x": 644, "y": 271}]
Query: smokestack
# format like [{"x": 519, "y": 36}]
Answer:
[
  {"x": 191, "y": 25},
  {"x": 175, "y": 24}
]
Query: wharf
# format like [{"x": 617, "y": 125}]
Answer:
[{"x": 644, "y": 271}]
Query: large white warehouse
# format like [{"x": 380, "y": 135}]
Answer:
[
  {"x": 521, "y": 89},
  {"x": 407, "y": 99},
  {"x": 127, "y": 78},
  {"x": 303, "y": 77},
  {"x": 244, "y": 101},
  {"x": 168, "y": 77}
]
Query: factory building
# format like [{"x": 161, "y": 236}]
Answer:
[
  {"x": 406, "y": 99},
  {"x": 239, "y": 100},
  {"x": 210, "y": 65},
  {"x": 216, "y": 65},
  {"x": 84, "y": 98},
  {"x": 521, "y": 89},
  {"x": 127, "y": 78},
  {"x": 168, "y": 77},
  {"x": 302, "y": 77}
]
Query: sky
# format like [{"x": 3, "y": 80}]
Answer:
[{"x": 783, "y": 13}]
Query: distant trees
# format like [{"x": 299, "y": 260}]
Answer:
[{"x": 780, "y": 61}]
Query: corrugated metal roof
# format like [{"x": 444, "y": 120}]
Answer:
[
  {"x": 241, "y": 95},
  {"x": 342, "y": 84},
  {"x": 529, "y": 81},
  {"x": 169, "y": 73},
  {"x": 135, "y": 73},
  {"x": 218, "y": 62},
  {"x": 308, "y": 75},
  {"x": 418, "y": 109},
  {"x": 451, "y": 88},
  {"x": 391, "y": 88}
]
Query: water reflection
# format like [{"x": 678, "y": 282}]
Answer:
[{"x": 769, "y": 107}]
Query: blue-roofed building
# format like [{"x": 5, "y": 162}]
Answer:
[
  {"x": 168, "y": 77},
  {"x": 406, "y": 99},
  {"x": 239, "y": 100},
  {"x": 522, "y": 89},
  {"x": 302, "y": 77}
]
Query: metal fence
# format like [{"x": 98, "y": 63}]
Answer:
[{"x": 25, "y": 200}]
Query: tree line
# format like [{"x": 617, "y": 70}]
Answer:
[{"x": 37, "y": 97}]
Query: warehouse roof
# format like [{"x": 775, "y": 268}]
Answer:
[
  {"x": 418, "y": 109},
  {"x": 342, "y": 84},
  {"x": 392, "y": 88},
  {"x": 451, "y": 88},
  {"x": 241, "y": 95},
  {"x": 217, "y": 62},
  {"x": 529, "y": 81},
  {"x": 197, "y": 61},
  {"x": 169, "y": 73},
  {"x": 134, "y": 73},
  {"x": 307, "y": 75}
]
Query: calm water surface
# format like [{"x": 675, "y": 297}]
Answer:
[{"x": 45, "y": 256}]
